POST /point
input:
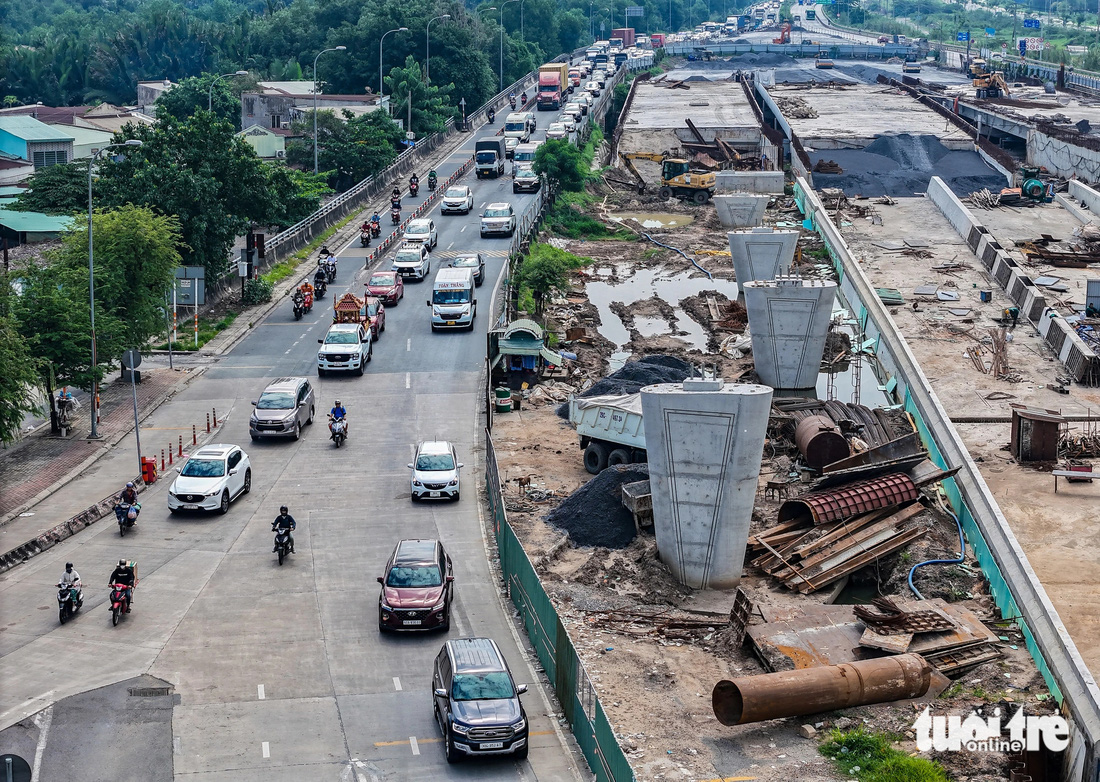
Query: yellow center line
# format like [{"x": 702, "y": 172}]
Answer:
[{"x": 437, "y": 740}]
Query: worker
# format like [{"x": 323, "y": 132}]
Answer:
[{"x": 1012, "y": 313}]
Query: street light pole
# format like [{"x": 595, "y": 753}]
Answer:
[
  {"x": 210, "y": 94},
  {"x": 315, "y": 59},
  {"x": 380, "y": 40},
  {"x": 502, "y": 41},
  {"x": 91, "y": 282},
  {"x": 428, "y": 46},
  {"x": 521, "y": 35}
]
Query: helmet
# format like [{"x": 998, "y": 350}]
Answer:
[
  {"x": 122, "y": 563},
  {"x": 283, "y": 509},
  {"x": 337, "y": 404},
  {"x": 129, "y": 484},
  {"x": 68, "y": 566}
]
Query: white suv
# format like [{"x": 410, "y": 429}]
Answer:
[
  {"x": 346, "y": 347},
  {"x": 412, "y": 259},
  {"x": 498, "y": 219},
  {"x": 211, "y": 478},
  {"x": 422, "y": 230}
]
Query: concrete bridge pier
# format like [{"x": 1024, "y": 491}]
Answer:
[
  {"x": 789, "y": 320},
  {"x": 761, "y": 253}
]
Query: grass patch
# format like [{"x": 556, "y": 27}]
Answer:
[
  {"x": 285, "y": 268},
  {"x": 870, "y": 757},
  {"x": 567, "y": 218},
  {"x": 208, "y": 329}
]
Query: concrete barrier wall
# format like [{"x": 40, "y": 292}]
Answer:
[
  {"x": 1086, "y": 195},
  {"x": 1015, "y": 587},
  {"x": 749, "y": 182},
  {"x": 1062, "y": 158},
  {"x": 952, "y": 208}
]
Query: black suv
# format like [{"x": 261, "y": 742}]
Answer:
[{"x": 476, "y": 701}]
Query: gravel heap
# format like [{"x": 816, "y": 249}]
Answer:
[
  {"x": 901, "y": 166},
  {"x": 763, "y": 58},
  {"x": 594, "y": 515},
  {"x": 634, "y": 375}
]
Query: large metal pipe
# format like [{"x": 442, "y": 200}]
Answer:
[
  {"x": 820, "y": 442},
  {"x": 772, "y": 696}
]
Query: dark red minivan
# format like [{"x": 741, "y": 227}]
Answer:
[{"x": 417, "y": 589}]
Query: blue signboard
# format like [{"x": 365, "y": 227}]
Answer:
[
  {"x": 1031, "y": 23},
  {"x": 990, "y": 32},
  {"x": 1023, "y": 47},
  {"x": 962, "y": 36}
]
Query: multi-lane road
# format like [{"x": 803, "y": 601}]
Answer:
[{"x": 280, "y": 673}]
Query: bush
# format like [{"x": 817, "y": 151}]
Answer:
[
  {"x": 545, "y": 270},
  {"x": 257, "y": 291},
  {"x": 877, "y": 760}
]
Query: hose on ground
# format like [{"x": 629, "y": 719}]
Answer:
[
  {"x": 677, "y": 249},
  {"x": 956, "y": 561}
]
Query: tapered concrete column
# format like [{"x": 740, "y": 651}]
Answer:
[
  {"x": 761, "y": 253},
  {"x": 704, "y": 440},
  {"x": 741, "y": 210},
  {"x": 788, "y": 320}
]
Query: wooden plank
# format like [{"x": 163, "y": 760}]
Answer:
[{"x": 852, "y": 565}]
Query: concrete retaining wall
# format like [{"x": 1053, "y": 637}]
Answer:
[
  {"x": 1062, "y": 158},
  {"x": 1088, "y": 197},
  {"x": 749, "y": 181},
  {"x": 1016, "y": 588}
]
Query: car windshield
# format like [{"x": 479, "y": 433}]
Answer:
[
  {"x": 341, "y": 338},
  {"x": 414, "y": 576},
  {"x": 275, "y": 400},
  {"x": 452, "y": 296},
  {"x": 203, "y": 468},
  {"x": 372, "y": 308},
  {"x": 525, "y": 172},
  {"x": 417, "y": 229},
  {"x": 434, "y": 462},
  {"x": 382, "y": 280},
  {"x": 482, "y": 686},
  {"x": 456, "y": 192},
  {"x": 465, "y": 262},
  {"x": 496, "y": 213},
  {"x": 486, "y": 157},
  {"x": 407, "y": 256}
]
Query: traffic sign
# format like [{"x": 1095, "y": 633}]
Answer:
[
  {"x": 635, "y": 10},
  {"x": 962, "y": 36},
  {"x": 1034, "y": 23},
  {"x": 410, "y": 135},
  {"x": 131, "y": 359}
]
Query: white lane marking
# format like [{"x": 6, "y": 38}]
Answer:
[
  {"x": 408, "y": 384},
  {"x": 414, "y": 745},
  {"x": 408, "y": 344},
  {"x": 449, "y": 246},
  {"x": 43, "y": 722},
  {"x": 397, "y": 683},
  {"x": 483, "y": 203},
  {"x": 176, "y": 744},
  {"x": 265, "y": 748},
  {"x": 288, "y": 350},
  {"x": 260, "y": 692},
  {"x": 462, "y": 229}
]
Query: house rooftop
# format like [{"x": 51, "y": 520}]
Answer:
[{"x": 31, "y": 129}]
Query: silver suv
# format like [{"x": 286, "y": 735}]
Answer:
[
  {"x": 412, "y": 260},
  {"x": 285, "y": 406},
  {"x": 498, "y": 219}
]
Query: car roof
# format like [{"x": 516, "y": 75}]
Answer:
[
  {"x": 215, "y": 451},
  {"x": 420, "y": 221},
  {"x": 414, "y": 551},
  {"x": 499, "y": 205},
  {"x": 434, "y": 446},
  {"x": 384, "y": 273},
  {"x": 284, "y": 384},
  {"x": 475, "y": 654},
  {"x": 343, "y": 327}
]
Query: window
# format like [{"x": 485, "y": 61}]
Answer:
[
  {"x": 234, "y": 459},
  {"x": 276, "y": 120},
  {"x": 47, "y": 159},
  {"x": 303, "y": 393}
]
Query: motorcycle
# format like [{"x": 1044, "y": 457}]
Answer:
[
  {"x": 319, "y": 284},
  {"x": 523, "y": 99},
  {"x": 127, "y": 516},
  {"x": 299, "y": 302},
  {"x": 327, "y": 263},
  {"x": 431, "y": 182},
  {"x": 414, "y": 188},
  {"x": 120, "y": 601},
  {"x": 282, "y": 542},
  {"x": 339, "y": 429},
  {"x": 512, "y": 100},
  {"x": 364, "y": 237},
  {"x": 395, "y": 216},
  {"x": 69, "y": 601},
  {"x": 375, "y": 227}
]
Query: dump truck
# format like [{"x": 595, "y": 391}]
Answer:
[
  {"x": 610, "y": 429},
  {"x": 553, "y": 85},
  {"x": 489, "y": 156}
]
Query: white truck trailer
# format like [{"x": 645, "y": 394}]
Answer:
[{"x": 610, "y": 428}]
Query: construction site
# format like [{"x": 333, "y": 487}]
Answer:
[{"x": 849, "y": 383}]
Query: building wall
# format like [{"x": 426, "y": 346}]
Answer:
[
  {"x": 54, "y": 152},
  {"x": 13, "y": 145},
  {"x": 265, "y": 110},
  {"x": 267, "y": 145}
]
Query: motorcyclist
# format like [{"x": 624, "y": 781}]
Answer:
[
  {"x": 523, "y": 98},
  {"x": 490, "y": 115},
  {"x": 124, "y": 574},
  {"x": 395, "y": 203},
  {"x": 395, "y": 195},
  {"x": 129, "y": 495},
  {"x": 284, "y": 521},
  {"x": 414, "y": 180},
  {"x": 432, "y": 179},
  {"x": 71, "y": 579},
  {"x": 376, "y": 224},
  {"x": 338, "y": 410}
]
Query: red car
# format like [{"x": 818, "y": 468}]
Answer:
[
  {"x": 418, "y": 587},
  {"x": 377, "y": 314},
  {"x": 388, "y": 286}
]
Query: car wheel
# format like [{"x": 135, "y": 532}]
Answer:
[
  {"x": 382, "y": 327},
  {"x": 618, "y": 456},
  {"x": 515, "y": 189},
  {"x": 311, "y": 412},
  {"x": 297, "y": 431},
  {"x": 172, "y": 510},
  {"x": 254, "y": 438},
  {"x": 414, "y": 497},
  {"x": 521, "y": 754},
  {"x": 446, "y": 625},
  {"x": 453, "y": 755},
  {"x": 595, "y": 458},
  {"x": 247, "y": 481},
  {"x": 456, "y": 495},
  {"x": 362, "y": 368},
  {"x": 224, "y": 507},
  {"x": 370, "y": 354},
  {"x": 320, "y": 372}
]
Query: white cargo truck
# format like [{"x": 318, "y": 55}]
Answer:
[{"x": 610, "y": 428}]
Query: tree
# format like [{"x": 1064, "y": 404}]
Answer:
[
  {"x": 561, "y": 162},
  {"x": 352, "y": 149},
  {"x": 59, "y": 190},
  {"x": 193, "y": 94},
  {"x": 19, "y": 376},
  {"x": 545, "y": 270},
  {"x": 295, "y": 194},
  {"x": 429, "y": 109}
]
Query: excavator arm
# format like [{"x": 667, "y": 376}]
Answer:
[{"x": 627, "y": 159}]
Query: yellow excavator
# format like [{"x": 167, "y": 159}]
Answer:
[
  {"x": 987, "y": 82},
  {"x": 677, "y": 178}
]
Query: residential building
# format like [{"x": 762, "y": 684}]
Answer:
[
  {"x": 86, "y": 141},
  {"x": 31, "y": 227},
  {"x": 277, "y": 108},
  {"x": 148, "y": 92},
  {"x": 269, "y": 143},
  {"x": 14, "y": 169},
  {"x": 35, "y": 141}
]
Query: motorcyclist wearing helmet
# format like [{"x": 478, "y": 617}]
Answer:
[
  {"x": 338, "y": 410},
  {"x": 71, "y": 579},
  {"x": 124, "y": 574},
  {"x": 284, "y": 521},
  {"x": 129, "y": 495},
  {"x": 395, "y": 194},
  {"x": 414, "y": 179}
]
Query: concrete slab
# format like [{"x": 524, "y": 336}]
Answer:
[
  {"x": 750, "y": 182},
  {"x": 741, "y": 211},
  {"x": 761, "y": 253},
  {"x": 788, "y": 319}
]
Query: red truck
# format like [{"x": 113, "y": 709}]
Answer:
[
  {"x": 657, "y": 40},
  {"x": 553, "y": 84},
  {"x": 626, "y": 34}
]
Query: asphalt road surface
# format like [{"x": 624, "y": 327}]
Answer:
[{"x": 280, "y": 673}]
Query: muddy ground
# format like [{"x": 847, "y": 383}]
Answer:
[{"x": 655, "y": 684}]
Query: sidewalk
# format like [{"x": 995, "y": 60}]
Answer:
[{"x": 34, "y": 465}]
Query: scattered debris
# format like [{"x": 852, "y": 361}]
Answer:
[{"x": 594, "y": 515}]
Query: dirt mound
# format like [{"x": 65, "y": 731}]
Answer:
[
  {"x": 594, "y": 515},
  {"x": 764, "y": 58},
  {"x": 634, "y": 375}
]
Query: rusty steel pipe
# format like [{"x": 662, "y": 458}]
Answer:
[
  {"x": 820, "y": 442},
  {"x": 772, "y": 696}
]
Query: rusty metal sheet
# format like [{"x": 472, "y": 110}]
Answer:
[
  {"x": 904, "y": 446},
  {"x": 895, "y": 644},
  {"x": 844, "y": 502}
]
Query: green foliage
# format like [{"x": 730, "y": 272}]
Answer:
[
  {"x": 257, "y": 291},
  {"x": 877, "y": 760},
  {"x": 57, "y": 190},
  {"x": 429, "y": 107},
  {"x": 194, "y": 94},
  {"x": 16, "y": 381},
  {"x": 351, "y": 149},
  {"x": 208, "y": 329},
  {"x": 280, "y": 271},
  {"x": 544, "y": 270},
  {"x": 295, "y": 195},
  {"x": 561, "y": 163},
  {"x": 567, "y": 218}
]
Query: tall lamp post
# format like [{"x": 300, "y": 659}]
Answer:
[
  {"x": 428, "y": 46},
  {"x": 315, "y": 59},
  {"x": 210, "y": 94},
  {"x": 133, "y": 142},
  {"x": 395, "y": 30},
  {"x": 502, "y": 41}
]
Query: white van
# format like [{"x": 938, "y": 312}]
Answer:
[
  {"x": 525, "y": 153},
  {"x": 453, "y": 304},
  {"x": 519, "y": 124}
]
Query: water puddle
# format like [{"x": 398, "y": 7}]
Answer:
[
  {"x": 644, "y": 284},
  {"x": 856, "y": 379},
  {"x": 654, "y": 219}
]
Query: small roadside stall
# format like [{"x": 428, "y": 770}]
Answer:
[{"x": 519, "y": 355}]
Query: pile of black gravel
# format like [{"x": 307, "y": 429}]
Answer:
[
  {"x": 634, "y": 375},
  {"x": 594, "y": 515}
]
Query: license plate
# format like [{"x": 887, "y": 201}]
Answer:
[
  {"x": 411, "y": 622},
  {"x": 433, "y": 494},
  {"x": 450, "y": 323},
  {"x": 190, "y": 507},
  {"x": 492, "y": 745}
]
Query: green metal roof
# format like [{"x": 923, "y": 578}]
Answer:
[
  {"x": 30, "y": 129},
  {"x": 33, "y": 222}
]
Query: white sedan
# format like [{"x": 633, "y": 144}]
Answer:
[
  {"x": 592, "y": 88},
  {"x": 458, "y": 198},
  {"x": 210, "y": 479}
]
